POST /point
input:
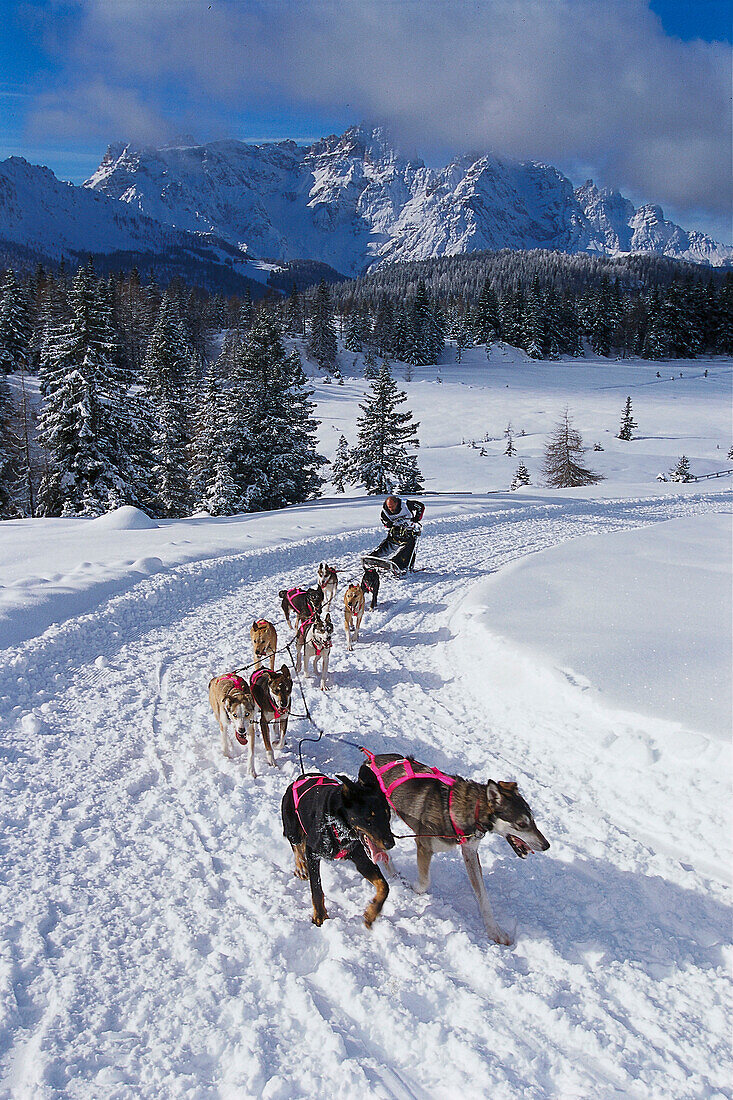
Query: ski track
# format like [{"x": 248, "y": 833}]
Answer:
[{"x": 158, "y": 944}]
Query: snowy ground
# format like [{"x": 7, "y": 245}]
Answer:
[{"x": 156, "y": 943}]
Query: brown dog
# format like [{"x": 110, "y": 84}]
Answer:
[
  {"x": 354, "y": 604},
  {"x": 264, "y": 642},
  {"x": 271, "y": 692},
  {"x": 232, "y": 703},
  {"x": 447, "y": 812}
]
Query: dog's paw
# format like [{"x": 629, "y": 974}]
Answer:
[
  {"x": 319, "y": 918},
  {"x": 421, "y": 887},
  {"x": 499, "y": 936},
  {"x": 300, "y": 872}
]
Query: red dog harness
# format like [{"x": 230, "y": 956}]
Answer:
[
  {"x": 331, "y": 573},
  {"x": 258, "y": 676},
  {"x": 302, "y": 629},
  {"x": 310, "y": 782},
  {"x": 237, "y": 681},
  {"x": 410, "y": 773}
]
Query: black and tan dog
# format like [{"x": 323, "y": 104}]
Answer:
[
  {"x": 326, "y": 818},
  {"x": 271, "y": 692},
  {"x": 445, "y": 811},
  {"x": 370, "y": 583},
  {"x": 305, "y": 602}
]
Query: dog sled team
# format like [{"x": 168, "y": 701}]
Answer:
[{"x": 337, "y": 818}]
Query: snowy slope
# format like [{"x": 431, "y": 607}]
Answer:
[
  {"x": 158, "y": 944},
  {"x": 60, "y": 221},
  {"x": 353, "y": 201}
]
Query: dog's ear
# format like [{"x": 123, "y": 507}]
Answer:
[
  {"x": 329, "y": 623},
  {"x": 494, "y": 794},
  {"x": 283, "y": 670},
  {"x": 367, "y": 778},
  {"x": 254, "y": 625},
  {"x": 347, "y": 789}
]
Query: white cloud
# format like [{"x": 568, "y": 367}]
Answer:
[{"x": 557, "y": 80}]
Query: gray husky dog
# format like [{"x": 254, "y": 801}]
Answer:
[{"x": 446, "y": 811}]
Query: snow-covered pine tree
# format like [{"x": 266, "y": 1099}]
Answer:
[
  {"x": 10, "y": 456},
  {"x": 294, "y": 318},
  {"x": 681, "y": 472},
  {"x": 383, "y": 332},
  {"x": 533, "y": 336},
  {"x": 510, "y": 448},
  {"x": 380, "y": 459},
  {"x": 322, "y": 336},
  {"x": 627, "y": 422},
  {"x": 371, "y": 369},
  {"x": 486, "y": 326},
  {"x": 218, "y": 447},
  {"x": 521, "y": 477},
  {"x": 167, "y": 373},
  {"x": 82, "y": 425},
  {"x": 15, "y": 326},
  {"x": 281, "y": 463},
  {"x": 341, "y": 465},
  {"x": 563, "y": 452}
]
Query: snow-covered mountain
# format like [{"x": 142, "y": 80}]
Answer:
[
  {"x": 353, "y": 201},
  {"x": 52, "y": 220}
]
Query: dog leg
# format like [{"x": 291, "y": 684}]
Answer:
[
  {"x": 298, "y": 657},
  {"x": 372, "y": 873},
  {"x": 314, "y": 874},
  {"x": 272, "y": 661},
  {"x": 476, "y": 878},
  {"x": 264, "y": 727},
  {"x": 224, "y": 739},
  {"x": 324, "y": 670},
  {"x": 251, "y": 759},
  {"x": 301, "y": 867},
  {"x": 424, "y": 855},
  {"x": 283, "y": 725}
]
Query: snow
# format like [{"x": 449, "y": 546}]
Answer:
[
  {"x": 656, "y": 634},
  {"x": 125, "y": 518},
  {"x": 155, "y": 941}
]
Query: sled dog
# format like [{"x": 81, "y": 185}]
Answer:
[
  {"x": 445, "y": 811},
  {"x": 328, "y": 582},
  {"x": 313, "y": 641},
  {"x": 305, "y": 602},
  {"x": 326, "y": 818},
  {"x": 353, "y": 612},
  {"x": 271, "y": 692},
  {"x": 370, "y": 583},
  {"x": 264, "y": 642},
  {"x": 233, "y": 706}
]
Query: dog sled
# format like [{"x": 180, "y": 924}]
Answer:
[{"x": 396, "y": 553}]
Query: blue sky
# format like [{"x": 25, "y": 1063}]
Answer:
[{"x": 635, "y": 93}]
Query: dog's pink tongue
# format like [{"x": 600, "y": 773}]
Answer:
[{"x": 378, "y": 856}]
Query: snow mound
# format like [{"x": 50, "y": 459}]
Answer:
[{"x": 126, "y": 518}]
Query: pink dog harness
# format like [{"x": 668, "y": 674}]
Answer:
[
  {"x": 310, "y": 782},
  {"x": 410, "y": 773},
  {"x": 258, "y": 676},
  {"x": 237, "y": 681},
  {"x": 302, "y": 630}
]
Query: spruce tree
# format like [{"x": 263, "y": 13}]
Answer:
[
  {"x": 681, "y": 472},
  {"x": 627, "y": 422},
  {"x": 15, "y": 326},
  {"x": 341, "y": 465},
  {"x": 167, "y": 373},
  {"x": 218, "y": 449},
  {"x": 380, "y": 459},
  {"x": 322, "y": 338},
  {"x": 563, "y": 451},
  {"x": 10, "y": 456},
  {"x": 486, "y": 327},
  {"x": 83, "y": 425},
  {"x": 521, "y": 477}
]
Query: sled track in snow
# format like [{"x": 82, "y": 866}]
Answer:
[{"x": 160, "y": 945}]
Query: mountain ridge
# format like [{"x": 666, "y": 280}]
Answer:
[{"x": 354, "y": 201}]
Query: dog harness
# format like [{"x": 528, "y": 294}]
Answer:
[
  {"x": 410, "y": 773},
  {"x": 258, "y": 676},
  {"x": 262, "y": 622},
  {"x": 237, "y": 681},
  {"x": 304, "y": 786},
  {"x": 303, "y": 629},
  {"x": 327, "y": 578}
]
